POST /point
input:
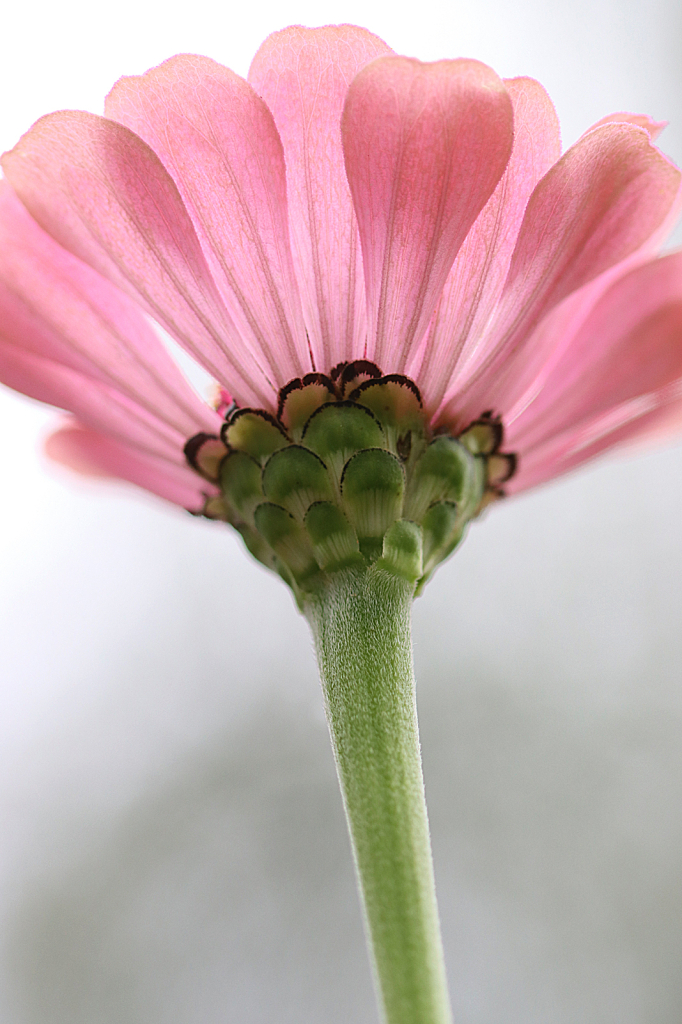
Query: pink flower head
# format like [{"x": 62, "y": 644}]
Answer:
[{"x": 344, "y": 203}]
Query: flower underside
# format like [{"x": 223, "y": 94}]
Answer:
[{"x": 349, "y": 473}]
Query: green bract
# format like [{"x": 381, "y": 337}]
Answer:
[{"x": 349, "y": 474}]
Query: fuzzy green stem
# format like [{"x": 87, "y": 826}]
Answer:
[{"x": 361, "y": 626}]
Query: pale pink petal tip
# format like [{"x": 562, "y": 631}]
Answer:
[
  {"x": 96, "y": 455},
  {"x": 222, "y": 401},
  {"x": 654, "y": 128}
]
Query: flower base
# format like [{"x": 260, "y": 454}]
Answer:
[{"x": 349, "y": 474}]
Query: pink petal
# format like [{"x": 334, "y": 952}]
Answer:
[
  {"x": 425, "y": 145},
  {"x": 96, "y": 404},
  {"x": 478, "y": 274},
  {"x": 641, "y": 419},
  {"x": 94, "y": 454},
  {"x": 57, "y": 309},
  {"x": 549, "y": 341},
  {"x": 103, "y": 194},
  {"x": 595, "y": 207},
  {"x": 664, "y": 424},
  {"x": 303, "y": 75},
  {"x": 654, "y": 128},
  {"x": 218, "y": 141},
  {"x": 630, "y": 345}
]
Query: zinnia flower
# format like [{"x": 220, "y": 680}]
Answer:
[
  {"x": 344, "y": 203},
  {"x": 411, "y": 304}
]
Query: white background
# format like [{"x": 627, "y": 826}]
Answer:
[{"x": 173, "y": 845}]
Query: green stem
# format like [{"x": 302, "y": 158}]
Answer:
[{"x": 361, "y": 626}]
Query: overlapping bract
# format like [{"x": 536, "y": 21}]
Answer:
[{"x": 343, "y": 203}]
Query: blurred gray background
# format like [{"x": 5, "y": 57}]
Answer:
[{"x": 173, "y": 845}]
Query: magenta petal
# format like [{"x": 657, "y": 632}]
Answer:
[
  {"x": 596, "y": 206},
  {"x": 424, "y": 145},
  {"x": 478, "y": 274},
  {"x": 218, "y": 141},
  {"x": 93, "y": 454},
  {"x": 303, "y": 75},
  {"x": 103, "y": 194},
  {"x": 57, "y": 311}
]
